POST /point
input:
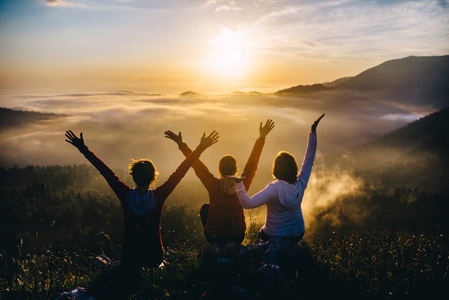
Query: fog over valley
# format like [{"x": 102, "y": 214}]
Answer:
[
  {"x": 366, "y": 218},
  {"x": 124, "y": 125},
  {"x": 121, "y": 126}
]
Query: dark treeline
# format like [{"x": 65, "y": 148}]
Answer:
[
  {"x": 72, "y": 208},
  {"x": 401, "y": 194},
  {"x": 395, "y": 208},
  {"x": 420, "y": 148},
  {"x": 10, "y": 118}
]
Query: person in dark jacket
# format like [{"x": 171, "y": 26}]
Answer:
[{"x": 142, "y": 206}]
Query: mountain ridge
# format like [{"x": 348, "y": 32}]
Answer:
[{"x": 413, "y": 80}]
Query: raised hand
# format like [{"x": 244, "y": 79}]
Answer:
[
  {"x": 207, "y": 141},
  {"x": 172, "y": 136},
  {"x": 74, "y": 140},
  {"x": 315, "y": 124},
  {"x": 265, "y": 130}
]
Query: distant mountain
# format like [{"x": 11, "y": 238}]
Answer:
[
  {"x": 410, "y": 81},
  {"x": 416, "y": 154},
  {"x": 303, "y": 89},
  {"x": 336, "y": 82},
  {"x": 415, "y": 80},
  {"x": 189, "y": 93},
  {"x": 10, "y": 118}
]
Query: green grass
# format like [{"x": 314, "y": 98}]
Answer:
[
  {"x": 43, "y": 276},
  {"x": 388, "y": 264},
  {"x": 376, "y": 264}
]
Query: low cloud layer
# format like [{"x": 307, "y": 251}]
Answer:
[{"x": 120, "y": 126}]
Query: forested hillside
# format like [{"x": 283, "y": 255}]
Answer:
[
  {"x": 56, "y": 219},
  {"x": 416, "y": 155},
  {"x": 67, "y": 208},
  {"x": 11, "y": 118}
]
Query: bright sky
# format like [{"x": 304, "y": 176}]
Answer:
[{"x": 207, "y": 45}]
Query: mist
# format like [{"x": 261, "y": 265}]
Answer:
[{"x": 120, "y": 126}]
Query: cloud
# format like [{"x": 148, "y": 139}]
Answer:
[
  {"x": 61, "y": 3},
  {"x": 444, "y": 3},
  {"x": 120, "y": 126},
  {"x": 341, "y": 30},
  {"x": 224, "y": 5},
  {"x": 123, "y": 125},
  {"x": 234, "y": 5},
  {"x": 227, "y": 7},
  {"x": 402, "y": 117},
  {"x": 55, "y": 3}
]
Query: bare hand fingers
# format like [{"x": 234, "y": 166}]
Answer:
[
  {"x": 72, "y": 134},
  {"x": 213, "y": 134},
  {"x": 69, "y": 134},
  {"x": 269, "y": 124}
]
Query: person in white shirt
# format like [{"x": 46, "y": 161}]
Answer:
[{"x": 283, "y": 196}]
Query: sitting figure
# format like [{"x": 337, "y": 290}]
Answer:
[
  {"x": 223, "y": 218},
  {"x": 142, "y": 206},
  {"x": 283, "y": 197}
]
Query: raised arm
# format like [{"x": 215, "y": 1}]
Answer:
[
  {"x": 203, "y": 173},
  {"x": 167, "y": 187},
  {"x": 251, "y": 166},
  {"x": 264, "y": 196},
  {"x": 315, "y": 124},
  {"x": 309, "y": 157},
  {"x": 119, "y": 188}
]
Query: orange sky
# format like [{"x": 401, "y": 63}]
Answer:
[{"x": 207, "y": 46}]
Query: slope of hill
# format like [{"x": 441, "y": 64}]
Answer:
[
  {"x": 415, "y": 81},
  {"x": 10, "y": 118},
  {"x": 336, "y": 82},
  {"x": 414, "y": 155},
  {"x": 429, "y": 134},
  {"x": 303, "y": 89}
]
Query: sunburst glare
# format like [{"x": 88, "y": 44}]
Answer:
[{"x": 230, "y": 54}]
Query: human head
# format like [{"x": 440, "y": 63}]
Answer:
[
  {"x": 143, "y": 172},
  {"x": 285, "y": 167},
  {"x": 227, "y": 166}
]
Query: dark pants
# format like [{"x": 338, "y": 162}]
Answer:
[
  {"x": 204, "y": 213},
  {"x": 265, "y": 237}
]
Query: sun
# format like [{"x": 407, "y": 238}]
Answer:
[{"x": 230, "y": 54}]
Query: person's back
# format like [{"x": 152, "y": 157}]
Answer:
[
  {"x": 142, "y": 206},
  {"x": 223, "y": 218},
  {"x": 284, "y": 215},
  {"x": 283, "y": 197}
]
